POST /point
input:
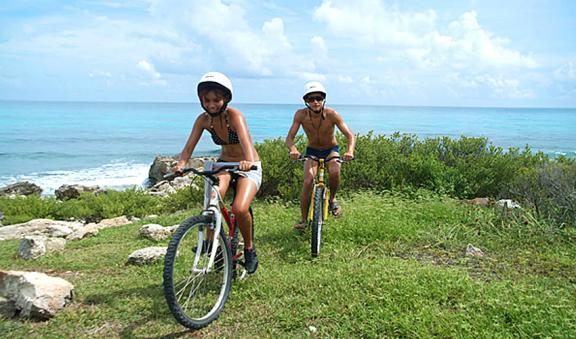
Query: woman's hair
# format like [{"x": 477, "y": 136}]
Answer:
[{"x": 216, "y": 89}]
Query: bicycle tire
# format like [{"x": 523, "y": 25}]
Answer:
[
  {"x": 208, "y": 291},
  {"x": 317, "y": 220}
]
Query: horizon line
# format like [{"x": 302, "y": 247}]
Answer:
[{"x": 265, "y": 103}]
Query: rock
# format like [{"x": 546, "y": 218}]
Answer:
[
  {"x": 156, "y": 232},
  {"x": 114, "y": 222},
  {"x": 472, "y": 251},
  {"x": 7, "y": 308},
  {"x": 24, "y": 188},
  {"x": 507, "y": 203},
  {"x": 32, "y": 247},
  {"x": 85, "y": 232},
  {"x": 59, "y": 231},
  {"x": 33, "y": 295},
  {"x": 479, "y": 201},
  {"x": 146, "y": 255},
  {"x": 67, "y": 192},
  {"x": 46, "y": 227}
]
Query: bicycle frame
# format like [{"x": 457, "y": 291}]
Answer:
[
  {"x": 215, "y": 209},
  {"x": 319, "y": 182}
]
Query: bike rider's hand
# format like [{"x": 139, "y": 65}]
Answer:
[
  {"x": 177, "y": 169},
  {"x": 348, "y": 156},
  {"x": 294, "y": 155},
  {"x": 245, "y": 165}
]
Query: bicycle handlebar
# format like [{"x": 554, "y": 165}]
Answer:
[{"x": 232, "y": 167}]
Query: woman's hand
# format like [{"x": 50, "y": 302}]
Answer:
[
  {"x": 177, "y": 169},
  {"x": 245, "y": 165}
]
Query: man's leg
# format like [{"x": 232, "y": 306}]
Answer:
[
  {"x": 334, "y": 181},
  {"x": 310, "y": 168}
]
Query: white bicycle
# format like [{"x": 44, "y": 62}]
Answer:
[{"x": 202, "y": 258}]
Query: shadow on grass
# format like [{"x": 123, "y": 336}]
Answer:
[
  {"x": 156, "y": 311},
  {"x": 289, "y": 244}
]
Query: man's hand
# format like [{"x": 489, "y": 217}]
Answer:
[
  {"x": 348, "y": 156},
  {"x": 294, "y": 155}
]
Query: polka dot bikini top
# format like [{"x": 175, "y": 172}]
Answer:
[{"x": 232, "y": 135}]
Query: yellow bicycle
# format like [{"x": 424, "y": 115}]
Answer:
[{"x": 318, "y": 211}]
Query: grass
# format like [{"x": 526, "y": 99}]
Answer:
[{"x": 391, "y": 266}]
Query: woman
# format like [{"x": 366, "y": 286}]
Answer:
[{"x": 229, "y": 130}]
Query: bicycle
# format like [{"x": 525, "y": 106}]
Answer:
[
  {"x": 198, "y": 271},
  {"x": 318, "y": 211}
]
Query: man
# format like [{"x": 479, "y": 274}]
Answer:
[{"x": 318, "y": 123}]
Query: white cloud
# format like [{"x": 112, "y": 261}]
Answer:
[
  {"x": 319, "y": 46},
  {"x": 566, "y": 72},
  {"x": 374, "y": 25},
  {"x": 150, "y": 70},
  {"x": 498, "y": 85},
  {"x": 228, "y": 36}
]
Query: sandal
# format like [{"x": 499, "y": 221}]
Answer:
[
  {"x": 335, "y": 208},
  {"x": 301, "y": 225}
]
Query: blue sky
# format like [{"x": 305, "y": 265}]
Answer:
[{"x": 437, "y": 53}]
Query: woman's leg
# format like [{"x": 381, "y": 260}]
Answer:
[{"x": 245, "y": 192}]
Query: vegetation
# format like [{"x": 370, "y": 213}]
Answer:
[{"x": 393, "y": 265}]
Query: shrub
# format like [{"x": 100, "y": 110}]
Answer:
[{"x": 549, "y": 189}]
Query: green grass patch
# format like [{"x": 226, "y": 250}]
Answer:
[{"x": 392, "y": 266}]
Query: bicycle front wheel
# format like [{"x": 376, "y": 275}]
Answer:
[
  {"x": 317, "y": 220},
  {"x": 196, "y": 293}
]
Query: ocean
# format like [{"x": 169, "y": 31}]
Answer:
[{"x": 113, "y": 144}]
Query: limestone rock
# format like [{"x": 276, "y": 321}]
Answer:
[
  {"x": 32, "y": 247},
  {"x": 156, "y": 232},
  {"x": 472, "y": 251},
  {"x": 508, "y": 203},
  {"x": 87, "y": 231},
  {"x": 67, "y": 192},
  {"x": 146, "y": 255},
  {"x": 45, "y": 227},
  {"x": 33, "y": 295},
  {"x": 24, "y": 188},
  {"x": 114, "y": 222}
]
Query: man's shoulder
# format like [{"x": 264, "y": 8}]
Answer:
[
  {"x": 331, "y": 112},
  {"x": 300, "y": 113}
]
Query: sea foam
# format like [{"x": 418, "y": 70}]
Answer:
[{"x": 116, "y": 175}]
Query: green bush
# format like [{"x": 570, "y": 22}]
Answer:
[
  {"x": 550, "y": 190},
  {"x": 89, "y": 207}
]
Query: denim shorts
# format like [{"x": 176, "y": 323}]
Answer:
[{"x": 254, "y": 175}]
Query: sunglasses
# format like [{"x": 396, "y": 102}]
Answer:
[{"x": 314, "y": 98}]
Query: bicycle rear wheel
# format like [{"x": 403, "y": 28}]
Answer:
[
  {"x": 317, "y": 220},
  {"x": 196, "y": 294}
]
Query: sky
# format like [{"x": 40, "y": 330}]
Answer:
[{"x": 366, "y": 52}]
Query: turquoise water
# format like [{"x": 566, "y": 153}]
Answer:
[{"x": 113, "y": 144}]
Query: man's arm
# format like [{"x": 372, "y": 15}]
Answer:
[
  {"x": 294, "y": 153},
  {"x": 349, "y": 155}
]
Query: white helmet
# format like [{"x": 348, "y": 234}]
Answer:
[
  {"x": 314, "y": 87},
  {"x": 216, "y": 80}
]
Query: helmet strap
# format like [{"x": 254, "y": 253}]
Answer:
[
  {"x": 214, "y": 114},
  {"x": 320, "y": 111}
]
